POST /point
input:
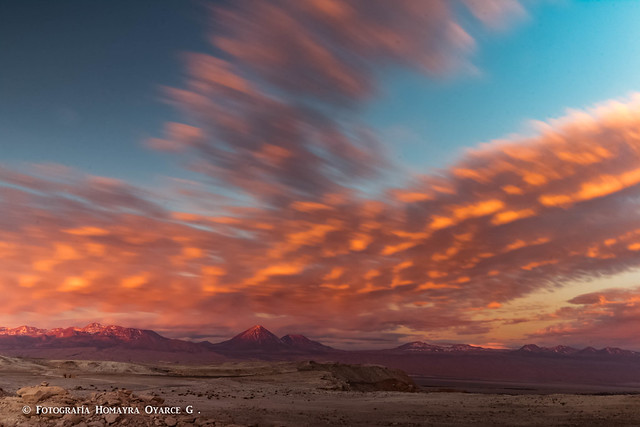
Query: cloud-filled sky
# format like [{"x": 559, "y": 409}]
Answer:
[{"x": 364, "y": 172}]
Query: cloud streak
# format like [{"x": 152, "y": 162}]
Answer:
[
  {"x": 305, "y": 243},
  {"x": 509, "y": 219},
  {"x": 272, "y": 114}
]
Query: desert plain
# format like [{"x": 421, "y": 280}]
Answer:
[{"x": 302, "y": 393}]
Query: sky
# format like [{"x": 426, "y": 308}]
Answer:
[{"x": 365, "y": 174}]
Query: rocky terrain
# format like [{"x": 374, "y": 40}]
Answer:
[
  {"x": 259, "y": 379},
  {"x": 273, "y": 394},
  {"x": 94, "y": 393}
]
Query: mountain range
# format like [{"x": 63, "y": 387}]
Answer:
[
  {"x": 258, "y": 340},
  {"x": 529, "y": 363},
  {"x": 92, "y": 335},
  {"x": 255, "y": 340}
]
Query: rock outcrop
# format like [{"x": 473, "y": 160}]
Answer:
[{"x": 363, "y": 377}]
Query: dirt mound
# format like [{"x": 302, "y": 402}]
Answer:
[
  {"x": 19, "y": 364},
  {"x": 105, "y": 367},
  {"x": 235, "y": 369},
  {"x": 363, "y": 377}
]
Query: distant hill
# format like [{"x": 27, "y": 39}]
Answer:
[{"x": 422, "y": 347}]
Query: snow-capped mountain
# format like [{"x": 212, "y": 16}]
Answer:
[
  {"x": 563, "y": 350},
  {"x": 92, "y": 335},
  {"x": 22, "y": 330}
]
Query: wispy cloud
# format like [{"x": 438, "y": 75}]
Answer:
[
  {"x": 604, "y": 318},
  {"x": 508, "y": 219},
  {"x": 273, "y": 116},
  {"x": 272, "y": 113}
]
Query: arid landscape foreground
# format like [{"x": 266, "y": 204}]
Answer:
[{"x": 273, "y": 394}]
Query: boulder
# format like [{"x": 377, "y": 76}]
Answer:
[
  {"x": 39, "y": 393},
  {"x": 111, "y": 418}
]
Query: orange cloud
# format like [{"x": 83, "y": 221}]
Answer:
[
  {"x": 342, "y": 259},
  {"x": 88, "y": 231},
  {"x": 508, "y": 219},
  {"x": 606, "y": 317},
  {"x": 135, "y": 281}
]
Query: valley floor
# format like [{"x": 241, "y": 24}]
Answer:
[{"x": 278, "y": 394}]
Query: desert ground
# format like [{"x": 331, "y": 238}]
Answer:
[{"x": 277, "y": 394}]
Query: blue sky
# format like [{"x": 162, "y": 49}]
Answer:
[
  {"x": 80, "y": 81},
  {"x": 81, "y": 84},
  {"x": 563, "y": 55}
]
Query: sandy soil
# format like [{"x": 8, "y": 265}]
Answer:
[{"x": 281, "y": 394}]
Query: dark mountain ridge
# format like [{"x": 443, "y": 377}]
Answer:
[
  {"x": 530, "y": 363},
  {"x": 255, "y": 339},
  {"x": 565, "y": 351},
  {"x": 258, "y": 339},
  {"x": 423, "y": 347}
]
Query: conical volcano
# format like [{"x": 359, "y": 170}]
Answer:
[{"x": 256, "y": 338}]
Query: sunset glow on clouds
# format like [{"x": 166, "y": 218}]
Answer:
[{"x": 295, "y": 224}]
